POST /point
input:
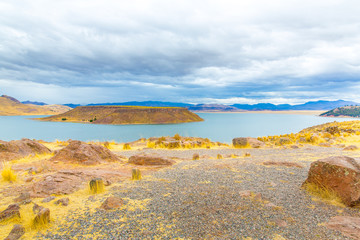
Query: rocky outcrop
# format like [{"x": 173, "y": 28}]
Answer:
[
  {"x": 349, "y": 226},
  {"x": 243, "y": 142},
  {"x": 150, "y": 160},
  {"x": 21, "y": 148},
  {"x": 82, "y": 153},
  {"x": 126, "y": 115},
  {"x": 340, "y": 174},
  {"x": 282, "y": 163}
]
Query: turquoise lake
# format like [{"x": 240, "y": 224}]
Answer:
[{"x": 222, "y": 127}]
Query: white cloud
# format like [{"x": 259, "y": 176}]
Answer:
[{"x": 158, "y": 49}]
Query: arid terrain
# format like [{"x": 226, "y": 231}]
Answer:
[
  {"x": 189, "y": 188},
  {"x": 12, "y": 107}
]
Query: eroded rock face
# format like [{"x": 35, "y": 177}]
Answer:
[
  {"x": 11, "y": 211},
  {"x": 243, "y": 142},
  {"x": 83, "y": 153},
  {"x": 349, "y": 226},
  {"x": 340, "y": 174},
  {"x": 150, "y": 160},
  {"x": 21, "y": 148},
  {"x": 16, "y": 233}
]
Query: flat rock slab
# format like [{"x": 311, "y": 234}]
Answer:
[
  {"x": 150, "y": 160},
  {"x": 349, "y": 226}
]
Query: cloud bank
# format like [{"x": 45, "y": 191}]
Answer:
[{"x": 283, "y": 51}]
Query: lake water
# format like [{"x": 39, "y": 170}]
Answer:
[{"x": 222, "y": 127}]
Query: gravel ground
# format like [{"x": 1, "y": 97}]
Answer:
[{"x": 201, "y": 200}]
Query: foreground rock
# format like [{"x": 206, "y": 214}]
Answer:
[
  {"x": 112, "y": 203},
  {"x": 16, "y": 233},
  {"x": 340, "y": 174},
  {"x": 21, "y": 148},
  {"x": 150, "y": 160},
  {"x": 83, "y": 153},
  {"x": 349, "y": 226},
  {"x": 243, "y": 142},
  {"x": 11, "y": 211}
]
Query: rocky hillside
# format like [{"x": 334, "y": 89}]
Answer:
[
  {"x": 10, "y": 106},
  {"x": 347, "y": 111},
  {"x": 126, "y": 115}
]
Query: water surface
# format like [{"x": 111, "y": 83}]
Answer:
[{"x": 222, "y": 127}]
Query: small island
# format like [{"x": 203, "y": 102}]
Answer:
[
  {"x": 347, "y": 111},
  {"x": 117, "y": 115}
]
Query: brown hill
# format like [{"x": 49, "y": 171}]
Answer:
[
  {"x": 126, "y": 115},
  {"x": 10, "y": 106}
]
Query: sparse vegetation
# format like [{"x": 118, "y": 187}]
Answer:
[
  {"x": 196, "y": 156},
  {"x": 326, "y": 194},
  {"x": 96, "y": 185},
  {"x": 8, "y": 174},
  {"x": 126, "y": 146},
  {"x": 136, "y": 174},
  {"x": 347, "y": 111}
]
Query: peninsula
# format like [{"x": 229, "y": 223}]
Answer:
[
  {"x": 125, "y": 115},
  {"x": 347, "y": 111}
]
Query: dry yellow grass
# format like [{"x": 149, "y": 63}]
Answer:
[
  {"x": 323, "y": 193},
  {"x": 8, "y": 175}
]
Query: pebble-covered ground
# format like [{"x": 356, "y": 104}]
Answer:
[{"x": 202, "y": 199}]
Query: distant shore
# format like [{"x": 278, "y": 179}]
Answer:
[{"x": 297, "y": 112}]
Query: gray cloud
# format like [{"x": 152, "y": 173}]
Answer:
[{"x": 194, "y": 51}]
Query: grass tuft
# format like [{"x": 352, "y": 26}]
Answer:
[
  {"x": 96, "y": 185},
  {"x": 126, "y": 146},
  {"x": 8, "y": 174},
  {"x": 324, "y": 193},
  {"x": 136, "y": 174}
]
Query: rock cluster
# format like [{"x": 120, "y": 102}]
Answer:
[
  {"x": 21, "y": 148},
  {"x": 243, "y": 142},
  {"x": 83, "y": 153}
]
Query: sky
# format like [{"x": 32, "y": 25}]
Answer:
[{"x": 228, "y": 51}]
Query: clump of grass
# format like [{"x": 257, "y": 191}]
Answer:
[
  {"x": 42, "y": 219},
  {"x": 247, "y": 154},
  {"x": 219, "y": 156},
  {"x": 177, "y": 137},
  {"x": 150, "y": 144},
  {"x": 196, "y": 156},
  {"x": 126, "y": 146},
  {"x": 96, "y": 185},
  {"x": 136, "y": 174},
  {"x": 8, "y": 174},
  {"x": 107, "y": 145},
  {"x": 324, "y": 193}
]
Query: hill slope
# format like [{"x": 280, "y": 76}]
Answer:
[
  {"x": 347, "y": 111},
  {"x": 126, "y": 115},
  {"x": 10, "y": 106}
]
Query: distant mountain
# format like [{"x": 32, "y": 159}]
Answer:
[
  {"x": 144, "y": 104},
  {"x": 34, "y": 103},
  {"x": 212, "y": 108},
  {"x": 318, "y": 105},
  {"x": 347, "y": 111}
]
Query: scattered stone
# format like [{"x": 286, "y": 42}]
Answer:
[
  {"x": 25, "y": 196},
  {"x": 21, "y": 148},
  {"x": 63, "y": 201},
  {"x": 150, "y": 160},
  {"x": 16, "y": 233},
  {"x": 11, "y": 211},
  {"x": 243, "y": 142},
  {"x": 247, "y": 154},
  {"x": 258, "y": 197},
  {"x": 48, "y": 199},
  {"x": 294, "y": 146},
  {"x": 281, "y": 223},
  {"x": 28, "y": 179},
  {"x": 341, "y": 174},
  {"x": 196, "y": 156},
  {"x": 285, "y": 164},
  {"x": 83, "y": 153},
  {"x": 324, "y": 145},
  {"x": 37, "y": 208},
  {"x": 111, "y": 203},
  {"x": 107, "y": 183},
  {"x": 245, "y": 193},
  {"x": 349, "y": 226},
  {"x": 351, "y": 148}
]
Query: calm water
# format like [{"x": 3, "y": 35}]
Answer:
[{"x": 221, "y": 127}]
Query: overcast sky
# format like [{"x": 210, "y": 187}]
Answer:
[{"x": 239, "y": 51}]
